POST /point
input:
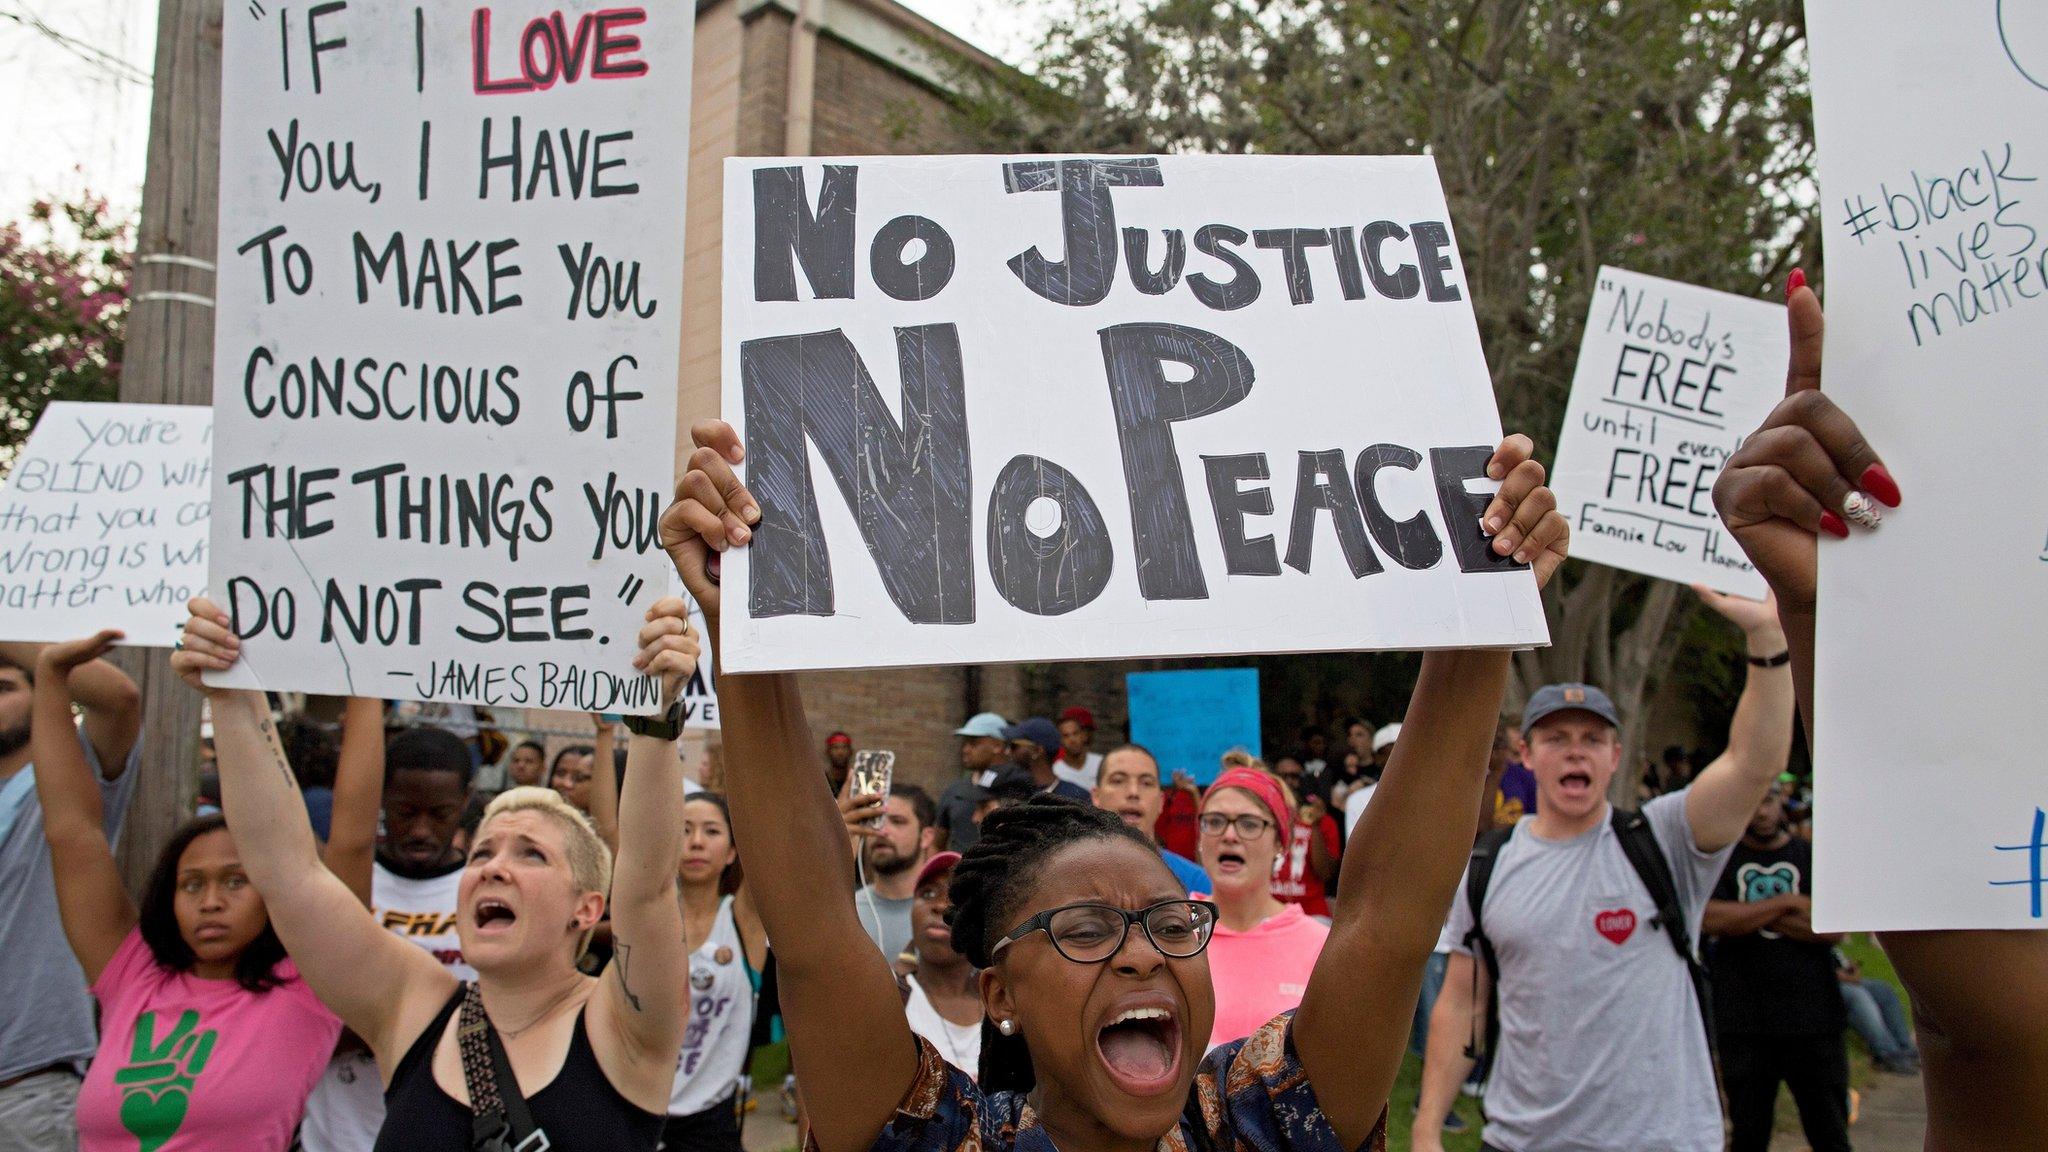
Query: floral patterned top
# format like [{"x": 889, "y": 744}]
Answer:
[{"x": 1251, "y": 1095}]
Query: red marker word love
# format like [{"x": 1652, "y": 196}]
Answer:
[
  {"x": 549, "y": 53},
  {"x": 1617, "y": 925}
]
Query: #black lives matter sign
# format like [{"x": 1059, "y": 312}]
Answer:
[
  {"x": 1038, "y": 408},
  {"x": 450, "y": 285},
  {"x": 1932, "y": 128}
]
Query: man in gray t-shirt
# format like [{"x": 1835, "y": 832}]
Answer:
[
  {"x": 46, "y": 1020},
  {"x": 1602, "y": 1047}
]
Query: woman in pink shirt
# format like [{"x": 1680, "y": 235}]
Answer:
[
  {"x": 1263, "y": 949},
  {"x": 208, "y": 1038}
]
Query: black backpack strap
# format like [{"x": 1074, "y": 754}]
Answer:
[
  {"x": 1639, "y": 843},
  {"x": 1478, "y": 875},
  {"x": 499, "y": 1118}
]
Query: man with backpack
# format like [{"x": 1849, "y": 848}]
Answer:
[{"x": 1582, "y": 918}]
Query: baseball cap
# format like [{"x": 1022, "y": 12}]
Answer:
[
  {"x": 1385, "y": 737},
  {"x": 1081, "y": 716},
  {"x": 1554, "y": 698},
  {"x": 838, "y": 738},
  {"x": 983, "y": 724},
  {"x": 940, "y": 864},
  {"x": 1039, "y": 731}
]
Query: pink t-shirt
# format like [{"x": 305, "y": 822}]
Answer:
[
  {"x": 187, "y": 1064},
  {"x": 1261, "y": 973}
]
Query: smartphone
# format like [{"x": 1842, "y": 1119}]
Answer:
[{"x": 871, "y": 775}]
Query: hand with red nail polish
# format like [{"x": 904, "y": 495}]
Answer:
[{"x": 1792, "y": 478}]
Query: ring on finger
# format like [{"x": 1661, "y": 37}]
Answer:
[{"x": 1861, "y": 510}]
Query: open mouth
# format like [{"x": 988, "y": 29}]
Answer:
[
  {"x": 1575, "y": 784},
  {"x": 1141, "y": 1049},
  {"x": 1135, "y": 817},
  {"x": 1229, "y": 862},
  {"x": 494, "y": 915}
]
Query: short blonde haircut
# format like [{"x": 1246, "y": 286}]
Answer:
[
  {"x": 590, "y": 861},
  {"x": 1239, "y": 758}
]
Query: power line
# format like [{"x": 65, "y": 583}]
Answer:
[{"x": 114, "y": 66}]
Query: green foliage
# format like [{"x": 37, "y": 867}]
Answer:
[{"x": 63, "y": 310}]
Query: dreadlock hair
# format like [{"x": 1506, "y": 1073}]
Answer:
[{"x": 989, "y": 886}]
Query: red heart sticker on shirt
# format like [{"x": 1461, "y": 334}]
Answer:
[{"x": 1617, "y": 925}]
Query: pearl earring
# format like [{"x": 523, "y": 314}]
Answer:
[{"x": 1006, "y": 1027}]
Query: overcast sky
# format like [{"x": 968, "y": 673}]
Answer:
[{"x": 76, "y": 115}]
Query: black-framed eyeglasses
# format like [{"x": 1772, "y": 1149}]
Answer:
[
  {"x": 1249, "y": 827},
  {"x": 1092, "y": 933}
]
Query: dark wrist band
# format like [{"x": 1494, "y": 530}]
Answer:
[
  {"x": 1778, "y": 661},
  {"x": 666, "y": 726}
]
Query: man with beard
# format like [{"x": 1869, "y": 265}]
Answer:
[
  {"x": 1129, "y": 786},
  {"x": 46, "y": 1017},
  {"x": 1076, "y": 764},
  {"x": 941, "y": 995},
  {"x": 413, "y": 893},
  {"x": 982, "y": 755},
  {"x": 1033, "y": 744},
  {"x": 890, "y": 860},
  {"x": 1593, "y": 988}
]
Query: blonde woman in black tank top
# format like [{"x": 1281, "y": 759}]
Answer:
[{"x": 594, "y": 1058}]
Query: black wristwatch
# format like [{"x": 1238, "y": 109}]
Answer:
[{"x": 666, "y": 726}]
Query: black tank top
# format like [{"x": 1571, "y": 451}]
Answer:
[{"x": 579, "y": 1109}]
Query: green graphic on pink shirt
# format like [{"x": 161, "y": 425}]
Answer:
[{"x": 156, "y": 1086}]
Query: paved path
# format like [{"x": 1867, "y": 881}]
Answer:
[{"x": 1894, "y": 1119}]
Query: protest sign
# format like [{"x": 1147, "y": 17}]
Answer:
[
  {"x": 700, "y": 691},
  {"x": 1188, "y": 720},
  {"x": 1933, "y": 137},
  {"x": 450, "y": 285},
  {"x": 1074, "y": 408},
  {"x": 103, "y": 523},
  {"x": 1671, "y": 377}
]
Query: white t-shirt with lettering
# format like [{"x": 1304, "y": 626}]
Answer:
[
  {"x": 1592, "y": 996},
  {"x": 347, "y": 1107}
]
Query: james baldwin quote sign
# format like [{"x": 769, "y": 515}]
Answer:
[
  {"x": 1671, "y": 377},
  {"x": 103, "y": 522},
  {"x": 1932, "y": 124},
  {"x": 1037, "y": 408},
  {"x": 451, "y": 272}
]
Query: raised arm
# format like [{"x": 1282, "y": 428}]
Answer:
[
  {"x": 1720, "y": 801},
  {"x": 91, "y": 901},
  {"x": 644, "y": 998},
  {"x": 1410, "y": 848},
  {"x": 112, "y": 704},
  {"x": 604, "y": 782},
  {"x": 351, "y": 850},
  {"x": 1978, "y": 997},
  {"x": 846, "y": 1026},
  {"x": 369, "y": 977}
]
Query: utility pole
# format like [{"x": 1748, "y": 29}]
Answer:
[{"x": 169, "y": 360}]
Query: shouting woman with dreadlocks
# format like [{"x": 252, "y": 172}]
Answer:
[{"x": 1092, "y": 974}]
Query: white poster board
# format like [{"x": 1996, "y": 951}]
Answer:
[
  {"x": 1933, "y": 134},
  {"x": 1671, "y": 377},
  {"x": 103, "y": 523},
  {"x": 450, "y": 295},
  {"x": 1034, "y": 408},
  {"x": 700, "y": 691}
]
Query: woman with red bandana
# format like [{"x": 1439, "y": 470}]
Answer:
[{"x": 1263, "y": 949}]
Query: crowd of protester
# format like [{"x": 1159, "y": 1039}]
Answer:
[{"x": 352, "y": 947}]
